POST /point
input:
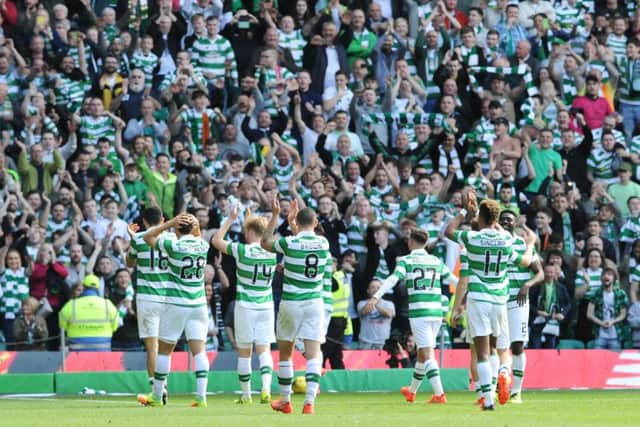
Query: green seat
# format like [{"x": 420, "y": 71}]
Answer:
[
  {"x": 591, "y": 344},
  {"x": 570, "y": 345}
]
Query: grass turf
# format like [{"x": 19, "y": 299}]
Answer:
[{"x": 540, "y": 408}]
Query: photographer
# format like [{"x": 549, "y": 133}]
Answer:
[{"x": 402, "y": 351}]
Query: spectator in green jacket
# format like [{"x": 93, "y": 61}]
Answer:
[
  {"x": 608, "y": 311},
  {"x": 36, "y": 174},
  {"x": 161, "y": 183}
]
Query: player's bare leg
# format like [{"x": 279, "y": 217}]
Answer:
[{"x": 473, "y": 370}]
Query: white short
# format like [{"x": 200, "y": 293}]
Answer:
[
  {"x": 519, "y": 323},
  {"x": 488, "y": 319},
  {"x": 425, "y": 331},
  {"x": 148, "y": 313},
  {"x": 301, "y": 319},
  {"x": 175, "y": 319},
  {"x": 253, "y": 326},
  {"x": 327, "y": 320}
]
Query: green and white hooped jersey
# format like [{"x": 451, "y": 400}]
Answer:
[
  {"x": 146, "y": 63},
  {"x": 254, "y": 272},
  {"x": 518, "y": 275},
  {"x": 14, "y": 287},
  {"x": 94, "y": 128},
  {"x": 356, "y": 230},
  {"x": 152, "y": 269},
  {"x": 489, "y": 253},
  {"x": 187, "y": 259},
  {"x": 327, "y": 285},
  {"x": 210, "y": 56},
  {"x": 590, "y": 278},
  {"x": 423, "y": 275},
  {"x": 306, "y": 256},
  {"x": 295, "y": 42}
]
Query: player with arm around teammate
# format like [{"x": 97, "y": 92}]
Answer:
[
  {"x": 489, "y": 252},
  {"x": 253, "y": 314},
  {"x": 521, "y": 279},
  {"x": 301, "y": 311},
  {"x": 151, "y": 270},
  {"x": 186, "y": 305},
  {"x": 423, "y": 274}
]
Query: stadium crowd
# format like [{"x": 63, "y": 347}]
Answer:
[{"x": 379, "y": 115}]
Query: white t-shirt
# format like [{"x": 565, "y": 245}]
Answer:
[
  {"x": 374, "y": 327},
  {"x": 333, "y": 65},
  {"x": 342, "y": 104}
]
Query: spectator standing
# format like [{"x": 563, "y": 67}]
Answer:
[
  {"x": 30, "y": 328},
  {"x": 607, "y": 310},
  {"x": 89, "y": 320}
]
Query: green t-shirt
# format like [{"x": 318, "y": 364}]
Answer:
[{"x": 541, "y": 158}]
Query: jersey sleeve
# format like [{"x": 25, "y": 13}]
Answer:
[
  {"x": 516, "y": 253},
  {"x": 280, "y": 245},
  {"x": 133, "y": 246},
  {"x": 164, "y": 243},
  {"x": 401, "y": 269},
  {"x": 461, "y": 236},
  {"x": 233, "y": 249}
]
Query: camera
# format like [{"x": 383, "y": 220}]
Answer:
[{"x": 243, "y": 22}]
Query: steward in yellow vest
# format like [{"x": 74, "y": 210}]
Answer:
[{"x": 89, "y": 320}]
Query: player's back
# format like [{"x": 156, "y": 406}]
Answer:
[
  {"x": 305, "y": 258},
  {"x": 254, "y": 271},
  {"x": 423, "y": 278},
  {"x": 152, "y": 269},
  {"x": 489, "y": 253},
  {"x": 187, "y": 257}
]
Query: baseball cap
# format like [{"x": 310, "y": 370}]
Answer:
[{"x": 91, "y": 281}]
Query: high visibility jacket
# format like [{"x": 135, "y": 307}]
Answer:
[
  {"x": 89, "y": 321},
  {"x": 340, "y": 296}
]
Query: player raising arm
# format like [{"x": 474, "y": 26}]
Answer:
[
  {"x": 521, "y": 279},
  {"x": 423, "y": 274},
  {"x": 489, "y": 252},
  {"x": 301, "y": 314},
  {"x": 151, "y": 269},
  {"x": 186, "y": 304},
  {"x": 254, "y": 314}
]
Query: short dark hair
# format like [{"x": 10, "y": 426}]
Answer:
[
  {"x": 306, "y": 217},
  {"x": 153, "y": 215},
  {"x": 162, "y": 155},
  {"x": 185, "y": 228},
  {"x": 591, "y": 78},
  {"x": 508, "y": 212}
]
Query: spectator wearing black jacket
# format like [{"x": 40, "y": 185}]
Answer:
[
  {"x": 266, "y": 125},
  {"x": 576, "y": 155},
  {"x": 550, "y": 307}
]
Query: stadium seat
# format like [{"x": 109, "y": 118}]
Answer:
[
  {"x": 591, "y": 344},
  {"x": 570, "y": 345}
]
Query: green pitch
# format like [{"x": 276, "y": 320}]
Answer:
[{"x": 550, "y": 408}]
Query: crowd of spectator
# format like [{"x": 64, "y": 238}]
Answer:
[{"x": 378, "y": 114}]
